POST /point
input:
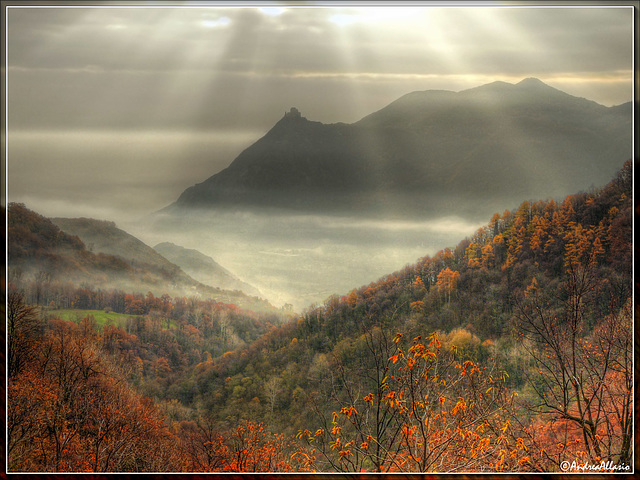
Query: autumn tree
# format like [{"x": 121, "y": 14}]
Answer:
[
  {"x": 428, "y": 412},
  {"x": 447, "y": 281},
  {"x": 70, "y": 409},
  {"x": 31, "y": 400},
  {"x": 203, "y": 445},
  {"x": 249, "y": 447},
  {"x": 254, "y": 449}
]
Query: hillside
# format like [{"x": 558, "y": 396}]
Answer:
[
  {"x": 100, "y": 236},
  {"x": 473, "y": 151},
  {"x": 475, "y": 295},
  {"x": 38, "y": 248},
  {"x": 203, "y": 268}
]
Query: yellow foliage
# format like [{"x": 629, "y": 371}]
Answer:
[{"x": 461, "y": 338}]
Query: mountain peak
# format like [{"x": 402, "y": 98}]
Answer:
[
  {"x": 532, "y": 81},
  {"x": 538, "y": 86},
  {"x": 292, "y": 118}
]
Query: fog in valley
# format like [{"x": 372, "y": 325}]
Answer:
[
  {"x": 291, "y": 258},
  {"x": 303, "y": 259}
]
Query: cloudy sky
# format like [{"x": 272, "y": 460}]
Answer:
[{"x": 115, "y": 111}]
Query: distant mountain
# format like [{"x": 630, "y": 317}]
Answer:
[
  {"x": 203, "y": 268},
  {"x": 115, "y": 259},
  {"x": 36, "y": 246},
  {"x": 475, "y": 151},
  {"x": 102, "y": 236}
]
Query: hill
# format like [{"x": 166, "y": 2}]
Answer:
[
  {"x": 102, "y": 236},
  {"x": 38, "y": 248},
  {"x": 474, "y": 151},
  {"x": 203, "y": 268}
]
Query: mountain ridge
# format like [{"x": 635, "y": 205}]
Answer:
[
  {"x": 480, "y": 149},
  {"x": 203, "y": 268},
  {"x": 105, "y": 237},
  {"x": 39, "y": 247}
]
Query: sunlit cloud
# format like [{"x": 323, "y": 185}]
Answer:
[
  {"x": 218, "y": 22},
  {"x": 272, "y": 11},
  {"x": 377, "y": 15},
  {"x": 342, "y": 19}
]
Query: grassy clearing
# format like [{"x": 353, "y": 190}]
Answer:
[{"x": 101, "y": 317}]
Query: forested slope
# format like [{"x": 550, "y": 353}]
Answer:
[{"x": 45, "y": 257}]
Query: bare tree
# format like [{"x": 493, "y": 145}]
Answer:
[
  {"x": 273, "y": 388},
  {"x": 23, "y": 329},
  {"x": 584, "y": 377}
]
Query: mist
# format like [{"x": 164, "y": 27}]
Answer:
[
  {"x": 114, "y": 175},
  {"x": 303, "y": 259},
  {"x": 291, "y": 258}
]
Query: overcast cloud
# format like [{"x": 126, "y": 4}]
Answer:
[{"x": 189, "y": 68}]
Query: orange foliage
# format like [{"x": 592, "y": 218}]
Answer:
[
  {"x": 71, "y": 410},
  {"x": 430, "y": 414},
  {"x": 447, "y": 281},
  {"x": 247, "y": 448}
]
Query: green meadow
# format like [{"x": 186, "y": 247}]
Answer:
[{"x": 101, "y": 317}]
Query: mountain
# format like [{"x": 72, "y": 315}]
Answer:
[
  {"x": 203, "y": 268},
  {"x": 36, "y": 246},
  {"x": 476, "y": 151},
  {"x": 174, "y": 262},
  {"x": 102, "y": 236},
  {"x": 56, "y": 250}
]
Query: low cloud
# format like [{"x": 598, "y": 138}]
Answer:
[
  {"x": 129, "y": 173},
  {"x": 303, "y": 259}
]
